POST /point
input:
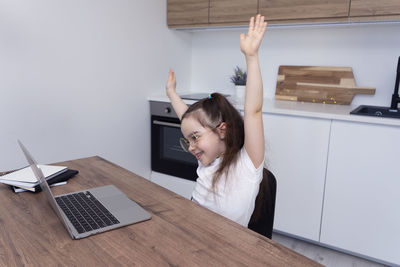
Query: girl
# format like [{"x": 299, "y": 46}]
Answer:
[{"x": 230, "y": 151}]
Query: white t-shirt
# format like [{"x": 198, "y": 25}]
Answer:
[{"x": 234, "y": 198}]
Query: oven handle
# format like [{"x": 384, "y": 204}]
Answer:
[{"x": 176, "y": 125}]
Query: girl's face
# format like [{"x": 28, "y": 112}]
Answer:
[{"x": 205, "y": 144}]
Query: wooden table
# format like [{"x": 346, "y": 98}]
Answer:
[{"x": 180, "y": 232}]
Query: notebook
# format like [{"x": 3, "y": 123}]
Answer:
[
  {"x": 56, "y": 180},
  {"x": 90, "y": 211},
  {"x": 25, "y": 176}
]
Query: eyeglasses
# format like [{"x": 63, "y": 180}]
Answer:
[{"x": 193, "y": 139}]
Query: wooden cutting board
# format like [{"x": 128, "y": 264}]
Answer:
[{"x": 330, "y": 85}]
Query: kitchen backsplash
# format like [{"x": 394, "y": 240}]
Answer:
[{"x": 371, "y": 50}]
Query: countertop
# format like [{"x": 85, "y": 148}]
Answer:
[{"x": 302, "y": 109}]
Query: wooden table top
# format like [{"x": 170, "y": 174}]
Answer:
[{"x": 180, "y": 233}]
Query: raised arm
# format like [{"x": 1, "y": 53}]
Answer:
[
  {"x": 177, "y": 103},
  {"x": 253, "y": 124}
]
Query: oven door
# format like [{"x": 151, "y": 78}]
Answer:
[{"x": 167, "y": 156}]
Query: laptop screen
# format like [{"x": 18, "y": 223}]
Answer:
[{"x": 42, "y": 181}]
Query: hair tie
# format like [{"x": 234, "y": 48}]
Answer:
[{"x": 209, "y": 96}]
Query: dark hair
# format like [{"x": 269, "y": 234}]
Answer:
[{"x": 211, "y": 112}]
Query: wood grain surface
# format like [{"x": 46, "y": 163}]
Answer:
[
  {"x": 180, "y": 12},
  {"x": 180, "y": 233},
  {"x": 330, "y": 85},
  {"x": 232, "y": 10},
  {"x": 374, "y": 8},
  {"x": 303, "y": 9}
]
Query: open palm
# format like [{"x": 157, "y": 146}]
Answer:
[
  {"x": 171, "y": 82},
  {"x": 250, "y": 43}
]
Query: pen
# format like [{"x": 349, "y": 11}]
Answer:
[{"x": 60, "y": 183}]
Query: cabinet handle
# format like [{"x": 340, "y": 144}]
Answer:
[{"x": 176, "y": 125}]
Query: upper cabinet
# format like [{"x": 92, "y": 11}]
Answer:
[
  {"x": 374, "y": 8},
  {"x": 206, "y": 13},
  {"x": 303, "y": 9},
  {"x": 187, "y": 12},
  {"x": 226, "y": 11}
]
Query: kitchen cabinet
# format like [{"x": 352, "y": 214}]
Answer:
[
  {"x": 177, "y": 185},
  {"x": 374, "y": 8},
  {"x": 223, "y": 11},
  {"x": 208, "y": 13},
  {"x": 361, "y": 207},
  {"x": 187, "y": 12},
  {"x": 303, "y": 9},
  {"x": 296, "y": 152}
]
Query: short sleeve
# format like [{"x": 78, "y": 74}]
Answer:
[{"x": 249, "y": 167}]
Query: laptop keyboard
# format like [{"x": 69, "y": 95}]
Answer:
[{"x": 85, "y": 212}]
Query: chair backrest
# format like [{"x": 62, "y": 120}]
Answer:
[{"x": 262, "y": 219}]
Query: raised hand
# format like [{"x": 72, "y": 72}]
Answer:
[
  {"x": 177, "y": 103},
  {"x": 171, "y": 82},
  {"x": 250, "y": 43}
]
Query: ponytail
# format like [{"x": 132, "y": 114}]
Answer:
[{"x": 211, "y": 112}]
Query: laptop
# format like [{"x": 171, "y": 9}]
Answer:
[{"x": 90, "y": 211}]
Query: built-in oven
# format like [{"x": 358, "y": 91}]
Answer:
[{"x": 167, "y": 156}]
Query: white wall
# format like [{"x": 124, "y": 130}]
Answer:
[
  {"x": 371, "y": 50},
  {"x": 75, "y": 76}
]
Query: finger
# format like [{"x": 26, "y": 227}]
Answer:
[
  {"x": 257, "y": 24},
  {"x": 171, "y": 76},
  {"x": 242, "y": 37},
  {"x": 262, "y": 27},
  {"x": 265, "y": 26},
  {"x": 262, "y": 24},
  {"x": 251, "y": 24}
]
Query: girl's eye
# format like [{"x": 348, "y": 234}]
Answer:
[{"x": 193, "y": 138}]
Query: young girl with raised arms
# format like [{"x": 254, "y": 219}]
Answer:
[{"x": 229, "y": 149}]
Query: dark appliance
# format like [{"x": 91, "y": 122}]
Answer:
[
  {"x": 389, "y": 112},
  {"x": 167, "y": 156},
  {"x": 395, "y": 97}
]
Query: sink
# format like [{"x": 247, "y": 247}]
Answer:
[{"x": 376, "y": 111}]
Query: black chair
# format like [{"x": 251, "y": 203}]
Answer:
[{"x": 262, "y": 219}]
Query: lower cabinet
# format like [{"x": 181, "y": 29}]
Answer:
[
  {"x": 296, "y": 152},
  {"x": 361, "y": 210}
]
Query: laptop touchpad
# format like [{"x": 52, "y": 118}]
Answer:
[{"x": 117, "y": 202}]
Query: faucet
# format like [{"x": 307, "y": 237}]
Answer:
[{"x": 395, "y": 96}]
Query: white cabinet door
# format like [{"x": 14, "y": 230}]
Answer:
[
  {"x": 362, "y": 198},
  {"x": 296, "y": 152},
  {"x": 177, "y": 185}
]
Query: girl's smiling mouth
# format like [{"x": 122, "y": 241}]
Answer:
[{"x": 198, "y": 155}]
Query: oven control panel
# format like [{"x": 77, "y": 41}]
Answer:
[{"x": 162, "y": 109}]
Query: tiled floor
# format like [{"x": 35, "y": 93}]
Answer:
[{"x": 322, "y": 255}]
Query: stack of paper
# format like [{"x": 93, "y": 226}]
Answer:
[{"x": 26, "y": 179}]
